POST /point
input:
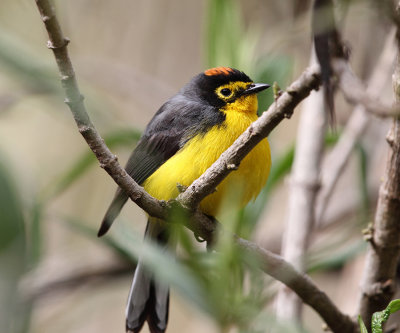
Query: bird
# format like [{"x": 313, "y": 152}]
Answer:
[{"x": 182, "y": 140}]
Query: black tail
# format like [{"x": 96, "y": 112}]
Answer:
[
  {"x": 118, "y": 202},
  {"x": 148, "y": 300}
]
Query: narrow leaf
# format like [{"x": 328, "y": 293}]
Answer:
[
  {"x": 378, "y": 318},
  {"x": 363, "y": 329}
]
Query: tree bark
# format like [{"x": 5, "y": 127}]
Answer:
[{"x": 378, "y": 282}]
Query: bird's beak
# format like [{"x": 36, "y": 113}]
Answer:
[{"x": 255, "y": 88}]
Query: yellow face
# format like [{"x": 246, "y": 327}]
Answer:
[{"x": 229, "y": 92}]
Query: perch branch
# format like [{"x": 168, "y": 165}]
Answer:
[{"x": 283, "y": 107}]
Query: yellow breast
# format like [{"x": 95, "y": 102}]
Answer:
[{"x": 203, "y": 150}]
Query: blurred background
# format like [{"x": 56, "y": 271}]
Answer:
[{"x": 129, "y": 57}]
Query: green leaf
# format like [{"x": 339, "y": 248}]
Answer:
[
  {"x": 394, "y": 306},
  {"x": 378, "y": 318},
  {"x": 13, "y": 261},
  {"x": 363, "y": 329}
]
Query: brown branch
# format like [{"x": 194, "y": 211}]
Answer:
[
  {"x": 282, "y": 108},
  {"x": 378, "y": 280}
]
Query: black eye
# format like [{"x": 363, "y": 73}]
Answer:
[{"x": 226, "y": 92}]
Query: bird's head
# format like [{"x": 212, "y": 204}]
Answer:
[{"x": 225, "y": 88}]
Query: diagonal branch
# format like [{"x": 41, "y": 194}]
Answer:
[{"x": 272, "y": 264}]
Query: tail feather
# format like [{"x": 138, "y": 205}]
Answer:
[
  {"x": 139, "y": 295},
  {"x": 148, "y": 299},
  {"x": 158, "y": 309},
  {"x": 118, "y": 202}
]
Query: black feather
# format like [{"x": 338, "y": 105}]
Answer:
[
  {"x": 149, "y": 299},
  {"x": 327, "y": 45}
]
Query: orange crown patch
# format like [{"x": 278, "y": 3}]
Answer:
[{"x": 218, "y": 71}]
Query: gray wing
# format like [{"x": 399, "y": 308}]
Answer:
[{"x": 172, "y": 126}]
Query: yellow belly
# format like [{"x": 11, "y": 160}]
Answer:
[{"x": 201, "y": 152}]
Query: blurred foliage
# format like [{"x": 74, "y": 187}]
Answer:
[
  {"x": 334, "y": 255},
  {"x": 116, "y": 139},
  {"x": 26, "y": 66},
  {"x": 212, "y": 281},
  {"x": 379, "y": 318},
  {"x": 268, "y": 68},
  {"x": 13, "y": 255},
  {"x": 280, "y": 167},
  {"x": 228, "y": 43}
]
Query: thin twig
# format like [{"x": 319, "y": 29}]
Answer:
[{"x": 300, "y": 89}]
